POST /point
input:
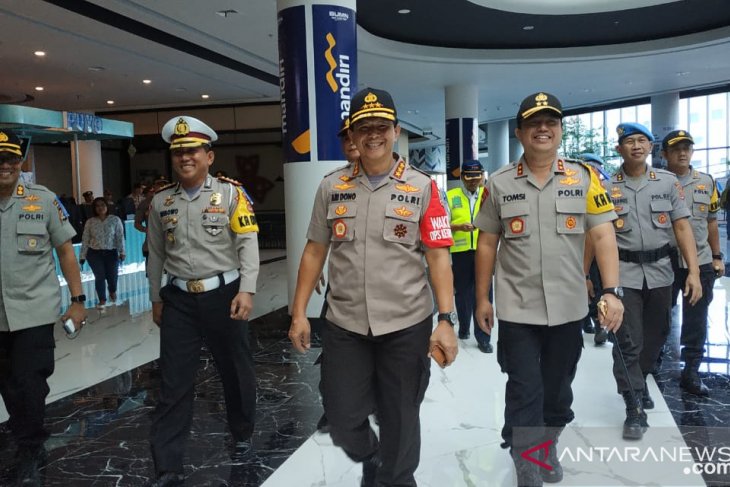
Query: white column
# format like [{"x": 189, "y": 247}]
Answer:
[
  {"x": 317, "y": 78},
  {"x": 664, "y": 119},
  {"x": 88, "y": 173},
  {"x": 515, "y": 147},
  {"x": 498, "y": 145},
  {"x": 462, "y": 129}
]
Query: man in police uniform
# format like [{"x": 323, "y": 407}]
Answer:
[
  {"x": 650, "y": 207},
  {"x": 32, "y": 223},
  {"x": 377, "y": 218},
  {"x": 202, "y": 234},
  {"x": 533, "y": 225},
  {"x": 703, "y": 202},
  {"x": 464, "y": 202}
]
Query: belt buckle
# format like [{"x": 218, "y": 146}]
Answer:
[{"x": 195, "y": 286}]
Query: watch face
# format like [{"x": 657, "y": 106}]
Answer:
[{"x": 453, "y": 317}]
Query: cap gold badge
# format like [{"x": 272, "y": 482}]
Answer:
[{"x": 182, "y": 127}]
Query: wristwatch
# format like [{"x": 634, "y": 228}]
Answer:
[
  {"x": 717, "y": 256},
  {"x": 78, "y": 299},
  {"x": 450, "y": 317},
  {"x": 616, "y": 291}
]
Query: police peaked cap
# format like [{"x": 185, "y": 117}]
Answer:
[
  {"x": 537, "y": 103},
  {"x": 372, "y": 103},
  {"x": 184, "y": 131},
  {"x": 676, "y": 137},
  {"x": 9, "y": 142}
]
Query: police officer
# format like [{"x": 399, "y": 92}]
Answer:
[
  {"x": 533, "y": 225},
  {"x": 202, "y": 235},
  {"x": 377, "y": 218},
  {"x": 464, "y": 203},
  {"x": 32, "y": 224},
  {"x": 703, "y": 201},
  {"x": 650, "y": 207}
]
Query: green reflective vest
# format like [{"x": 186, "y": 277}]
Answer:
[{"x": 461, "y": 213}]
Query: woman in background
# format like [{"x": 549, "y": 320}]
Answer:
[{"x": 103, "y": 245}]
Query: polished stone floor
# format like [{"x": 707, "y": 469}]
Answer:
[{"x": 103, "y": 393}]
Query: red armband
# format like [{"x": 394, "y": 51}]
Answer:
[{"x": 435, "y": 224}]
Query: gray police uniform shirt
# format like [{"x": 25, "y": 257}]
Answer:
[
  {"x": 539, "y": 265},
  {"x": 32, "y": 223},
  {"x": 646, "y": 207},
  {"x": 703, "y": 202},
  {"x": 378, "y": 236},
  {"x": 191, "y": 238}
]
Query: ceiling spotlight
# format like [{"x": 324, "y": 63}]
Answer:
[
  {"x": 204, "y": 97},
  {"x": 528, "y": 27},
  {"x": 110, "y": 102},
  {"x": 40, "y": 53},
  {"x": 96, "y": 68},
  {"x": 404, "y": 11},
  {"x": 146, "y": 81},
  {"x": 39, "y": 88}
]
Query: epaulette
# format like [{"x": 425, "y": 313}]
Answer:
[
  {"x": 165, "y": 187},
  {"x": 420, "y": 170},
  {"x": 509, "y": 167},
  {"x": 340, "y": 168},
  {"x": 229, "y": 180}
]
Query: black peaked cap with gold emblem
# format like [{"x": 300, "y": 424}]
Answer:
[
  {"x": 184, "y": 131},
  {"x": 675, "y": 137},
  {"x": 539, "y": 102},
  {"x": 9, "y": 142},
  {"x": 372, "y": 103}
]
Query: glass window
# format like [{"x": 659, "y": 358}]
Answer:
[
  {"x": 718, "y": 127},
  {"x": 643, "y": 114},
  {"x": 717, "y": 163},
  {"x": 698, "y": 120},
  {"x": 683, "y": 116}
]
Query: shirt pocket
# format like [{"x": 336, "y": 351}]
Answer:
[
  {"x": 571, "y": 215},
  {"x": 214, "y": 224},
  {"x": 622, "y": 224},
  {"x": 33, "y": 237},
  {"x": 660, "y": 213},
  {"x": 341, "y": 220},
  {"x": 700, "y": 206},
  {"x": 401, "y": 223},
  {"x": 514, "y": 220}
]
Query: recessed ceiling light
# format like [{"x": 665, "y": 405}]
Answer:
[
  {"x": 204, "y": 97},
  {"x": 96, "y": 68},
  {"x": 40, "y": 53},
  {"x": 146, "y": 81},
  {"x": 528, "y": 27},
  {"x": 404, "y": 11},
  {"x": 226, "y": 13},
  {"x": 39, "y": 88},
  {"x": 110, "y": 102}
]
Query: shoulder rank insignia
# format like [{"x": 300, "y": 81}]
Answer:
[
  {"x": 652, "y": 175},
  {"x": 520, "y": 170},
  {"x": 20, "y": 190},
  {"x": 399, "y": 170},
  {"x": 561, "y": 166},
  {"x": 167, "y": 186},
  {"x": 229, "y": 180}
]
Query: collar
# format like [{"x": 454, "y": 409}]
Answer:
[
  {"x": 399, "y": 169},
  {"x": 649, "y": 174}
]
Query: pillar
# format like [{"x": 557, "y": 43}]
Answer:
[
  {"x": 498, "y": 144},
  {"x": 86, "y": 168},
  {"x": 462, "y": 130},
  {"x": 515, "y": 147},
  {"x": 664, "y": 119},
  {"x": 317, "y": 78}
]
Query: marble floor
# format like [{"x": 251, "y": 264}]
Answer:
[{"x": 103, "y": 393}]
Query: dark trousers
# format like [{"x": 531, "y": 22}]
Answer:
[
  {"x": 647, "y": 317},
  {"x": 26, "y": 362},
  {"x": 694, "y": 318},
  {"x": 188, "y": 321},
  {"x": 462, "y": 264},
  {"x": 105, "y": 266},
  {"x": 540, "y": 362},
  {"x": 390, "y": 372}
]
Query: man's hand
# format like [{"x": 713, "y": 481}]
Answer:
[
  {"x": 320, "y": 284},
  {"x": 444, "y": 337},
  {"x": 719, "y": 267},
  {"x": 464, "y": 227},
  {"x": 611, "y": 315},
  {"x": 299, "y": 333},
  {"x": 122, "y": 256},
  {"x": 77, "y": 312},
  {"x": 241, "y": 306},
  {"x": 693, "y": 288},
  {"x": 485, "y": 315},
  {"x": 157, "y": 312},
  {"x": 589, "y": 288}
]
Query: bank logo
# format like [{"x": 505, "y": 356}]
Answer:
[
  {"x": 338, "y": 76},
  {"x": 339, "y": 16}
]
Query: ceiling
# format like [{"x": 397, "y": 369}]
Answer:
[{"x": 586, "y": 52}]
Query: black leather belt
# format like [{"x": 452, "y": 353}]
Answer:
[{"x": 644, "y": 256}]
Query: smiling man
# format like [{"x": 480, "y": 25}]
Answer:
[
  {"x": 703, "y": 203},
  {"x": 203, "y": 235},
  {"x": 377, "y": 218},
  {"x": 651, "y": 213},
  {"x": 534, "y": 223}
]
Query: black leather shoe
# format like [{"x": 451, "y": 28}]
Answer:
[
  {"x": 635, "y": 424},
  {"x": 168, "y": 479},
  {"x": 646, "y": 401},
  {"x": 600, "y": 337},
  {"x": 29, "y": 461},
  {"x": 485, "y": 347},
  {"x": 370, "y": 471},
  {"x": 691, "y": 382}
]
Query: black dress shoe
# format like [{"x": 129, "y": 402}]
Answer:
[
  {"x": 485, "y": 347},
  {"x": 600, "y": 337},
  {"x": 323, "y": 425},
  {"x": 370, "y": 471},
  {"x": 167, "y": 479},
  {"x": 29, "y": 461},
  {"x": 646, "y": 401}
]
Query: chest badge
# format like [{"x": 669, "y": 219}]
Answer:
[
  {"x": 570, "y": 222},
  {"x": 400, "y": 230},
  {"x": 339, "y": 228},
  {"x": 215, "y": 199},
  {"x": 32, "y": 197},
  {"x": 662, "y": 218},
  {"x": 169, "y": 200},
  {"x": 403, "y": 211},
  {"x": 517, "y": 225},
  {"x": 340, "y": 210},
  {"x": 170, "y": 236},
  {"x": 619, "y": 223}
]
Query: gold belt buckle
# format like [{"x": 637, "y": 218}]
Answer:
[{"x": 195, "y": 286}]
